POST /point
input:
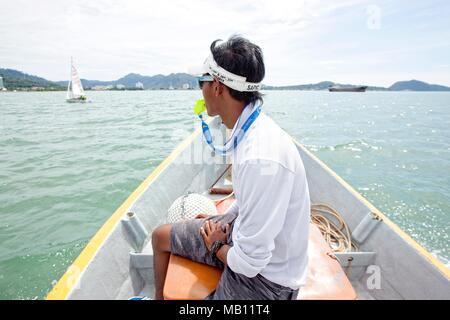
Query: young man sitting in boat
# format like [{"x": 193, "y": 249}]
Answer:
[{"x": 261, "y": 241}]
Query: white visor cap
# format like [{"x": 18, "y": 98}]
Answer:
[{"x": 229, "y": 79}]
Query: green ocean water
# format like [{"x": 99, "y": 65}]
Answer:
[{"x": 65, "y": 168}]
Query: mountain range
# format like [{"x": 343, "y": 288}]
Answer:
[
  {"x": 159, "y": 81},
  {"x": 14, "y": 79}
]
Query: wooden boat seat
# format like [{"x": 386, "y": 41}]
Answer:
[{"x": 189, "y": 280}]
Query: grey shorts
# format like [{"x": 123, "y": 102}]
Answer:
[{"x": 186, "y": 241}]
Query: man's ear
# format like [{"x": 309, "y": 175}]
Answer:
[{"x": 218, "y": 88}]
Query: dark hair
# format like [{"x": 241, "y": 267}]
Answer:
[{"x": 241, "y": 57}]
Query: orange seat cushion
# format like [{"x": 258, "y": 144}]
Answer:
[
  {"x": 189, "y": 280},
  {"x": 326, "y": 280}
]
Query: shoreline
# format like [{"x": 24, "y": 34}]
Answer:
[{"x": 289, "y": 90}]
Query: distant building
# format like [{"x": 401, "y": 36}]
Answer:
[
  {"x": 1, "y": 83},
  {"x": 139, "y": 85},
  {"x": 100, "y": 88},
  {"x": 186, "y": 86},
  {"x": 120, "y": 86}
]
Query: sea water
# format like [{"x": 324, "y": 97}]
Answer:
[{"x": 65, "y": 168}]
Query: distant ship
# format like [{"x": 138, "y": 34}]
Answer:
[{"x": 347, "y": 89}]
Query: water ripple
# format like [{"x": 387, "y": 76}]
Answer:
[{"x": 65, "y": 168}]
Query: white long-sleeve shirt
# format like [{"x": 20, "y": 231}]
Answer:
[{"x": 270, "y": 233}]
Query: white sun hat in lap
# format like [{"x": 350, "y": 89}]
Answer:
[{"x": 189, "y": 206}]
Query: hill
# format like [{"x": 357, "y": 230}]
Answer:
[
  {"x": 415, "y": 85},
  {"x": 13, "y": 79},
  {"x": 174, "y": 80}
]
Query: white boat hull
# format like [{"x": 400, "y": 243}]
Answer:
[{"x": 74, "y": 100}]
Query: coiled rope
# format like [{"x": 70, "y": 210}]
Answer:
[{"x": 333, "y": 228}]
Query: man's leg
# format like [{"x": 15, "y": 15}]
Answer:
[
  {"x": 183, "y": 239},
  {"x": 235, "y": 286},
  {"x": 161, "y": 256}
]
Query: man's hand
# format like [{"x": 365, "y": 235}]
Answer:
[{"x": 212, "y": 231}]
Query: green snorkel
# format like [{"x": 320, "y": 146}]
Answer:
[{"x": 199, "y": 107}]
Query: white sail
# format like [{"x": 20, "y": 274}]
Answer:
[
  {"x": 75, "y": 88},
  {"x": 69, "y": 91}
]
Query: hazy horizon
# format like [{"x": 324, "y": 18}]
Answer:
[
  {"x": 353, "y": 41},
  {"x": 267, "y": 84}
]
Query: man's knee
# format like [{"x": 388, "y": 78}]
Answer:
[{"x": 161, "y": 237}]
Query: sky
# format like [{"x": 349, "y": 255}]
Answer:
[{"x": 345, "y": 41}]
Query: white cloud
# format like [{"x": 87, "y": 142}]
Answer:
[{"x": 302, "y": 40}]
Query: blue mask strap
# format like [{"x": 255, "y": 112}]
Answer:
[{"x": 240, "y": 133}]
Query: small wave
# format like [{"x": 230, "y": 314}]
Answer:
[
  {"x": 354, "y": 146},
  {"x": 18, "y": 142}
]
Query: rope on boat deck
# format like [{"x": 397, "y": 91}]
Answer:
[{"x": 333, "y": 227}]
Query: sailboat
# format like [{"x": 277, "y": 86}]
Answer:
[{"x": 75, "y": 91}]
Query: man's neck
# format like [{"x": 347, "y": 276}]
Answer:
[{"x": 233, "y": 111}]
